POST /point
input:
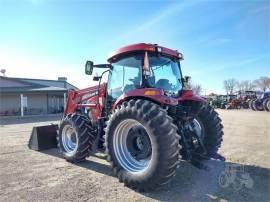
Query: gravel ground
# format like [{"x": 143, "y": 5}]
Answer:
[{"x": 29, "y": 175}]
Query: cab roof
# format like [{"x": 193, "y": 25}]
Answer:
[{"x": 144, "y": 47}]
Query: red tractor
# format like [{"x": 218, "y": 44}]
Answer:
[{"x": 143, "y": 118}]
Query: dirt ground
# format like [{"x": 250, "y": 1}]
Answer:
[{"x": 44, "y": 176}]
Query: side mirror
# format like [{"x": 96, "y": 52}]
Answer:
[
  {"x": 187, "y": 79},
  {"x": 89, "y": 67}
]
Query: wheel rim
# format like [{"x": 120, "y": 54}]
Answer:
[
  {"x": 132, "y": 149},
  {"x": 69, "y": 139},
  {"x": 196, "y": 127}
]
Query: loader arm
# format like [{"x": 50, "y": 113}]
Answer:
[{"x": 91, "y": 99}]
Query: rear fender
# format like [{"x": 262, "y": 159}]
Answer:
[
  {"x": 157, "y": 96},
  {"x": 188, "y": 95},
  {"x": 153, "y": 94}
]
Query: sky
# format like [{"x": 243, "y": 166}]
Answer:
[{"x": 219, "y": 39}]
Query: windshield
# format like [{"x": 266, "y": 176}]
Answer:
[
  {"x": 165, "y": 74},
  {"x": 126, "y": 74}
]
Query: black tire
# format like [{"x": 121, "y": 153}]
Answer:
[
  {"x": 164, "y": 144},
  {"x": 82, "y": 132},
  {"x": 245, "y": 105},
  {"x": 238, "y": 106},
  {"x": 257, "y": 105},
  {"x": 252, "y": 105},
  {"x": 212, "y": 128},
  {"x": 266, "y": 104}
]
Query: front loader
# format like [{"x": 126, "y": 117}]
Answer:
[{"x": 144, "y": 118}]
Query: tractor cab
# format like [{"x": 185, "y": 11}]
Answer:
[
  {"x": 144, "y": 70},
  {"x": 142, "y": 66}
]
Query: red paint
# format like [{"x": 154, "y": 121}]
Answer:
[
  {"x": 139, "y": 93},
  {"x": 88, "y": 98},
  {"x": 188, "y": 95},
  {"x": 185, "y": 95},
  {"x": 143, "y": 47}
]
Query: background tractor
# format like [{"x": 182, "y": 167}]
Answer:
[
  {"x": 247, "y": 97},
  {"x": 143, "y": 117},
  {"x": 233, "y": 102},
  {"x": 218, "y": 101},
  {"x": 262, "y": 103}
]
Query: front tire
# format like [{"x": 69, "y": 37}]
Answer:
[
  {"x": 159, "y": 157},
  {"x": 75, "y": 138}
]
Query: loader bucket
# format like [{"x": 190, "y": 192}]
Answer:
[{"x": 43, "y": 137}]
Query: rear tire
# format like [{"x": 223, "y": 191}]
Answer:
[
  {"x": 213, "y": 129},
  {"x": 74, "y": 138},
  {"x": 164, "y": 143},
  {"x": 249, "y": 104},
  {"x": 239, "y": 106},
  {"x": 252, "y": 106},
  {"x": 245, "y": 105},
  {"x": 257, "y": 105},
  {"x": 266, "y": 104}
]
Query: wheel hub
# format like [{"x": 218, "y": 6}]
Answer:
[
  {"x": 138, "y": 143},
  {"x": 132, "y": 145},
  {"x": 69, "y": 139},
  {"x": 195, "y": 128},
  {"x": 196, "y": 134}
]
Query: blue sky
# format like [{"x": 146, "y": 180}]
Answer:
[{"x": 219, "y": 39}]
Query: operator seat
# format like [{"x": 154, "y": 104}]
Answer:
[{"x": 164, "y": 84}]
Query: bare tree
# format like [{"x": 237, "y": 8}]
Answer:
[
  {"x": 245, "y": 85},
  {"x": 249, "y": 85},
  {"x": 197, "y": 89},
  {"x": 263, "y": 83},
  {"x": 230, "y": 85},
  {"x": 240, "y": 86}
]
